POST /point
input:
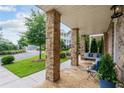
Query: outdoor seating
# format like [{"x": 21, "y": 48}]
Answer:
[
  {"x": 92, "y": 70},
  {"x": 91, "y": 56}
]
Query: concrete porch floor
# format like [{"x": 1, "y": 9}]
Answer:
[{"x": 72, "y": 77}]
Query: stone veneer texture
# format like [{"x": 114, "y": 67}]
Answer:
[
  {"x": 53, "y": 45},
  {"x": 120, "y": 45}
]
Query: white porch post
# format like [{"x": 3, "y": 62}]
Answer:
[{"x": 115, "y": 23}]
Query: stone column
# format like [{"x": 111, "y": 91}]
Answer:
[
  {"x": 82, "y": 46},
  {"x": 74, "y": 47},
  {"x": 119, "y": 49},
  {"x": 53, "y": 45},
  {"x": 106, "y": 42}
]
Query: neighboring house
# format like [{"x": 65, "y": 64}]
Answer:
[{"x": 66, "y": 36}]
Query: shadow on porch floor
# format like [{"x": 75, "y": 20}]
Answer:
[{"x": 72, "y": 77}]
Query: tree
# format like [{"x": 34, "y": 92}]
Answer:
[
  {"x": 100, "y": 45},
  {"x": 36, "y": 30},
  {"x": 86, "y": 43},
  {"x": 1, "y": 36},
  {"x": 22, "y": 42},
  {"x": 93, "y": 48},
  {"x": 62, "y": 44},
  {"x": 6, "y": 45}
]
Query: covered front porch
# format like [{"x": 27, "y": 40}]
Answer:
[
  {"x": 72, "y": 77},
  {"x": 83, "y": 20}
]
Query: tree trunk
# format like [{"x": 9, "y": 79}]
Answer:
[{"x": 40, "y": 52}]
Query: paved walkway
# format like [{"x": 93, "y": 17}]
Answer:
[{"x": 9, "y": 80}]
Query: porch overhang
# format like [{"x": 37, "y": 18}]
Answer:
[{"x": 90, "y": 19}]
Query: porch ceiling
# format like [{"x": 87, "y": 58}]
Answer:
[{"x": 90, "y": 19}]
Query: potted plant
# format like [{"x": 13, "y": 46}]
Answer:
[{"x": 106, "y": 72}]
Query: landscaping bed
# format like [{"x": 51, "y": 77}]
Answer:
[{"x": 27, "y": 66}]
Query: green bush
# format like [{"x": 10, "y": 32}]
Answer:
[
  {"x": 11, "y": 52},
  {"x": 86, "y": 43},
  {"x": 68, "y": 54},
  {"x": 94, "y": 47},
  {"x": 62, "y": 54},
  {"x": 100, "y": 46},
  {"x": 7, "y": 60},
  {"x": 106, "y": 70}
]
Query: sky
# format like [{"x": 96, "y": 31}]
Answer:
[{"x": 12, "y": 21}]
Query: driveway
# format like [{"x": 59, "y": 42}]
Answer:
[
  {"x": 28, "y": 54},
  {"x": 21, "y": 56}
]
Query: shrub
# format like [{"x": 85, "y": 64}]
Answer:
[
  {"x": 100, "y": 46},
  {"x": 68, "y": 53},
  {"x": 106, "y": 70},
  {"x": 86, "y": 43},
  {"x": 62, "y": 44},
  {"x": 11, "y": 52},
  {"x": 93, "y": 48},
  {"x": 7, "y": 59},
  {"x": 63, "y": 54}
]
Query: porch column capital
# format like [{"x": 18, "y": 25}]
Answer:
[
  {"x": 53, "y": 11},
  {"x": 77, "y": 29}
]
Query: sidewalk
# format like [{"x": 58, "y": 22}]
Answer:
[{"x": 9, "y": 80}]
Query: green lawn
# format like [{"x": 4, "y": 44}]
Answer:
[{"x": 26, "y": 67}]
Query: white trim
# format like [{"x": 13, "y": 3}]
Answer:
[
  {"x": 115, "y": 22},
  {"x": 90, "y": 43},
  {"x": 96, "y": 35}
]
